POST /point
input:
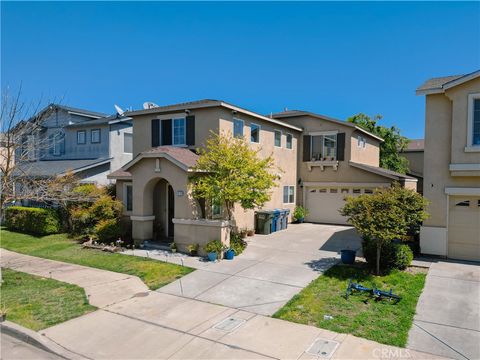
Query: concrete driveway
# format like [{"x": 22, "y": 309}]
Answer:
[
  {"x": 447, "y": 322},
  {"x": 271, "y": 270}
]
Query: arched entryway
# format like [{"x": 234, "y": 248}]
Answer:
[{"x": 163, "y": 206}]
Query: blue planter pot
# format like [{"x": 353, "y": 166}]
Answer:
[
  {"x": 212, "y": 256},
  {"x": 348, "y": 256},
  {"x": 300, "y": 221},
  {"x": 229, "y": 254}
]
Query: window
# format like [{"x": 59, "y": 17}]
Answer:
[
  {"x": 254, "y": 133},
  {"x": 237, "y": 128},
  {"x": 127, "y": 143},
  {"x": 95, "y": 136},
  {"x": 473, "y": 124},
  {"x": 58, "y": 143},
  {"x": 356, "y": 191},
  {"x": 344, "y": 191},
  {"x": 288, "y": 194},
  {"x": 278, "y": 138},
  {"x": 361, "y": 142},
  {"x": 368, "y": 191},
  {"x": 128, "y": 202},
  {"x": 81, "y": 137},
  {"x": 289, "y": 141},
  {"x": 324, "y": 147},
  {"x": 463, "y": 203},
  {"x": 178, "y": 131},
  {"x": 322, "y": 191},
  {"x": 476, "y": 123},
  {"x": 333, "y": 191},
  {"x": 216, "y": 209}
]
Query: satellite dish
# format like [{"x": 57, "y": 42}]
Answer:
[
  {"x": 119, "y": 110},
  {"x": 149, "y": 105}
]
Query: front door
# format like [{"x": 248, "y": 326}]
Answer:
[{"x": 170, "y": 210}]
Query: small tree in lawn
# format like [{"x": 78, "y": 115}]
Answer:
[
  {"x": 230, "y": 172},
  {"x": 386, "y": 215}
]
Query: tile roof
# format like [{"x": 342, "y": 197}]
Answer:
[
  {"x": 438, "y": 82},
  {"x": 416, "y": 145},
  {"x": 120, "y": 173},
  {"x": 438, "y": 85},
  {"x": 381, "y": 171},
  {"x": 48, "y": 168},
  {"x": 183, "y": 155}
]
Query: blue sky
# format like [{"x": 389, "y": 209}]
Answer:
[{"x": 336, "y": 59}]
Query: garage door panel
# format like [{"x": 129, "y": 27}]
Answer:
[{"x": 464, "y": 228}]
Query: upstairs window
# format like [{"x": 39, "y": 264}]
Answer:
[
  {"x": 127, "y": 143},
  {"x": 278, "y": 138},
  {"x": 81, "y": 137},
  {"x": 95, "y": 136},
  {"x": 361, "y": 142},
  {"x": 237, "y": 128},
  {"x": 289, "y": 141},
  {"x": 254, "y": 133},
  {"x": 476, "y": 122},
  {"x": 178, "y": 131},
  {"x": 324, "y": 147},
  {"x": 128, "y": 197}
]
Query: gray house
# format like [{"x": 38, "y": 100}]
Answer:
[{"x": 87, "y": 143}]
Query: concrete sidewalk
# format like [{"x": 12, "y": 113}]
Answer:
[
  {"x": 102, "y": 287},
  {"x": 148, "y": 325}
]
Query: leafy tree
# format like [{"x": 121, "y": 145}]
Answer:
[
  {"x": 385, "y": 215},
  {"x": 229, "y": 171},
  {"x": 393, "y": 144}
]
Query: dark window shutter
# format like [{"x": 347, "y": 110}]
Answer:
[
  {"x": 307, "y": 142},
  {"x": 155, "y": 132},
  {"x": 167, "y": 132},
  {"x": 190, "y": 138},
  {"x": 341, "y": 146}
]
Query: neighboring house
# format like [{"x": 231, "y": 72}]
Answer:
[
  {"x": 336, "y": 159},
  {"x": 87, "y": 143},
  {"x": 154, "y": 185},
  {"x": 414, "y": 154},
  {"x": 452, "y": 166},
  {"x": 322, "y": 159}
]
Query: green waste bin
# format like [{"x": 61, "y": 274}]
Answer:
[{"x": 263, "y": 222}]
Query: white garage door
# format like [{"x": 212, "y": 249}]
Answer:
[
  {"x": 324, "y": 203},
  {"x": 464, "y": 228}
]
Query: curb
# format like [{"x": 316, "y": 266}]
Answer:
[{"x": 35, "y": 339}]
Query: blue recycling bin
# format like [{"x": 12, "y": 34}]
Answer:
[
  {"x": 275, "y": 222},
  {"x": 281, "y": 220},
  {"x": 286, "y": 212}
]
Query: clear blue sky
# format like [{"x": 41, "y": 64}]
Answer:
[{"x": 336, "y": 59}]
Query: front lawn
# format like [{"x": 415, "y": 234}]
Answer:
[
  {"x": 59, "y": 247},
  {"x": 381, "y": 321},
  {"x": 38, "y": 303}
]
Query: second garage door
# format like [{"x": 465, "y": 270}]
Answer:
[
  {"x": 464, "y": 228},
  {"x": 324, "y": 203}
]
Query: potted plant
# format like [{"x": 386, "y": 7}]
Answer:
[
  {"x": 213, "y": 249},
  {"x": 299, "y": 214},
  {"x": 229, "y": 254},
  {"x": 251, "y": 232},
  {"x": 173, "y": 247},
  {"x": 193, "y": 249}
]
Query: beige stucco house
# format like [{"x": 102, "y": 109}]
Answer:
[
  {"x": 414, "y": 153},
  {"x": 452, "y": 166}
]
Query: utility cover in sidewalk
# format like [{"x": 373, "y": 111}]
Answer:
[
  {"x": 229, "y": 324},
  {"x": 323, "y": 348}
]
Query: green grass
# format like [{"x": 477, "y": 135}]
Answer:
[
  {"x": 382, "y": 321},
  {"x": 59, "y": 247},
  {"x": 38, "y": 303}
]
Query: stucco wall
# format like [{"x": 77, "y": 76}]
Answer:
[
  {"x": 369, "y": 155},
  {"x": 415, "y": 161},
  {"x": 117, "y": 133}
]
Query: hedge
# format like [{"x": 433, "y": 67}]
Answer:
[
  {"x": 394, "y": 255},
  {"x": 32, "y": 220}
]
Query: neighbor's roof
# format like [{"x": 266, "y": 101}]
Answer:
[
  {"x": 49, "y": 168},
  {"x": 110, "y": 120},
  {"x": 182, "y": 157},
  {"x": 415, "y": 145},
  {"x": 382, "y": 172},
  {"x": 205, "y": 103},
  {"x": 295, "y": 113},
  {"x": 72, "y": 110},
  {"x": 438, "y": 85}
]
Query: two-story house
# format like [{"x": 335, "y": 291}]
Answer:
[
  {"x": 87, "y": 143},
  {"x": 322, "y": 160},
  {"x": 155, "y": 184},
  {"x": 452, "y": 166},
  {"x": 336, "y": 159}
]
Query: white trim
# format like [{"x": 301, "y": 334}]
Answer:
[
  {"x": 74, "y": 171},
  {"x": 201, "y": 222},
  {"x": 471, "y": 98},
  {"x": 259, "y": 131},
  {"x": 462, "y": 191},
  {"x": 345, "y": 184},
  {"x": 461, "y": 80},
  {"x": 464, "y": 167},
  {"x": 142, "y": 217},
  {"x": 281, "y": 135},
  {"x": 84, "y": 115},
  {"x": 286, "y": 141},
  {"x": 469, "y": 149}
]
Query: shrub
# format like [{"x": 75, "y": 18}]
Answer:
[
  {"x": 214, "y": 246},
  {"x": 393, "y": 256},
  {"x": 300, "y": 213},
  {"x": 237, "y": 243},
  {"x": 35, "y": 221},
  {"x": 108, "y": 230}
]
